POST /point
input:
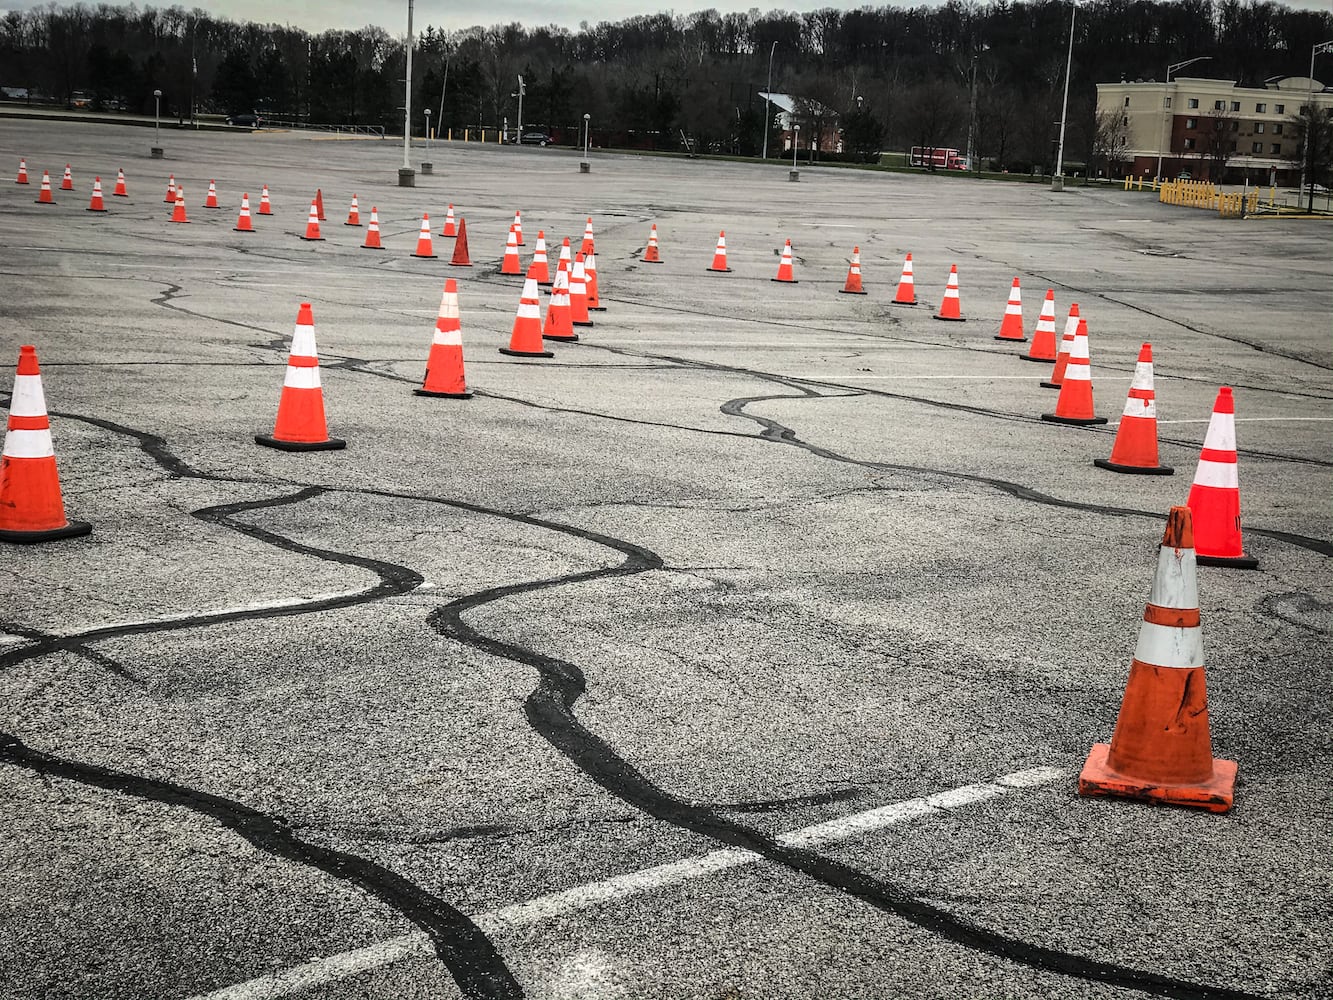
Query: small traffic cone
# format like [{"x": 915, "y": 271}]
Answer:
[
  {"x": 1043, "y": 337},
  {"x": 1062, "y": 356},
  {"x": 353, "y": 214},
  {"x": 539, "y": 267},
  {"x": 651, "y": 254},
  {"x": 460, "y": 257},
  {"x": 95, "y": 203},
  {"x": 31, "y": 507},
  {"x": 450, "y": 229},
  {"x": 212, "y": 200},
  {"x": 853, "y": 285},
  {"x": 1011, "y": 327},
  {"x": 511, "y": 264},
  {"x": 120, "y": 191},
  {"x": 578, "y": 293},
  {"x": 301, "y": 425},
  {"x": 566, "y": 259},
  {"x": 951, "y": 306},
  {"x": 1135, "y": 448},
  {"x": 590, "y": 271},
  {"x": 526, "y": 339},
  {"x": 243, "y": 223},
  {"x": 785, "y": 272},
  {"x": 518, "y": 227},
  {"x": 559, "y": 322},
  {"x": 373, "y": 232},
  {"x": 265, "y": 206},
  {"x": 425, "y": 247},
  {"x": 588, "y": 244},
  {"x": 444, "y": 366},
  {"x": 178, "y": 213},
  {"x": 319, "y": 204},
  {"x": 23, "y": 172},
  {"x": 720, "y": 254},
  {"x": 44, "y": 196},
  {"x": 1215, "y": 496},
  {"x": 312, "y": 225},
  {"x": 67, "y": 182},
  {"x": 906, "y": 294},
  {"x": 170, "y": 198},
  {"x": 1075, "y": 403},
  {"x": 1162, "y": 750}
]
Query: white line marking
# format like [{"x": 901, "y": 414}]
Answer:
[
  {"x": 282, "y": 602},
  {"x": 1258, "y": 420},
  {"x": 417, "y": 944},
  {"x": 959, "y": 378}
]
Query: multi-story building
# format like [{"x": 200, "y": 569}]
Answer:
[{"x": 1208, "y": 129}]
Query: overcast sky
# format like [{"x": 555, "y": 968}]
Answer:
[{"x": 392, "y": 14}]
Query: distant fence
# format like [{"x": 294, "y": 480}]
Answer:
[{"x": 372, "y": 130}]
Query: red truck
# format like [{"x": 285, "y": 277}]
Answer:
[{"x": 938, "y": 156}]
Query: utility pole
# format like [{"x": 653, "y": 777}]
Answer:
[
  {"x": 1058, "y": 180},
  {"x": 1311, "y": 122},
  {"x": 522, "y": 89},
  {"x": 768, "y": 122},
  {"x": 406, "y": 175}
]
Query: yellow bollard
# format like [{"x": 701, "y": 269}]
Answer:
[
  {"x": 483, "y": 137},
  {"x": 466, "y": 133}
]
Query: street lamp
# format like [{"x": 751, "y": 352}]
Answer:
[
  {"x": 522, "y": 89},
  {"x": 972, "y": 107},
  {"x": 585, "y": 166},
  {"x": 427, "y": 167},
  {"x": 1166, "y": 90},
  {"x": 795, "y": 143},
  {"x": 1310, "y": 124},
  {"x": 768, "y": 122},
  {"x": 157, "y": 125},
  {"x": 406, "y": 175},
  {"x": 1058, "y": 179}
]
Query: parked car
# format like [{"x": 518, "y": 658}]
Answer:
[
  {"x": 535, "y": 139},
  {"x": 251, "y": 120}
]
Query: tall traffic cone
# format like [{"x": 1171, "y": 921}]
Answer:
[
  {"x": 444, "y": 366},
  {"x": 651, "y": 253},
  {"x": 588, "y": 243},
  {"x": 1011, "y": 327},
  {"x": 44, "y": 196},
  {"x": 120, "y": 191},
  {"x": 1075, "y": 403},
  {"x": 1215, "y": 496},
  {"x": 425, "y": 247},
  {"x": 1043, "y": 337},
  {"x": 951, "y": 305},
  {"x": 95, "y": 203},
  {"x": 1135, "y": 448},
  {"x": 460, "y": 257},
  {"x": 785, "y": 273},
  {"x": 67, "y": 182},
  {"x": 373, "y": 232},
  {"x": 539, "y": 268},
  {"x": 594, "y": 295},
  {"x": 525, "y": 341},
  {"x": 31, "y": 507},
  {"x": 853, "y": 285},
  {"x": 170, "y": 198},
  {"x": 212, "y": 200},
  {"x": 511, "y": 264},
  {"x": 559, "y": 322},
  {"x": 319, "y": 203},
  {"x": 578, "y": 293},
  {"x": 353, "y": 213},
  {"x": 243, "y": 223},
  {"x": 450, "y": 229},
  {"x": 906, "y": 294},
  {"x": 720, "y": 254},
  {"x": 178, "y": 213},
  {"x": 566, "y": 259},
  {"x": 301, "y": 425},
  {"x": 312, "y": 225},
  {"x": 518, "y": 227},
  {"x": 265, "y": 206},
  {"x": 1062, "y": 356},
  {"x": 23, "y": 172},
  {"x": 1162, "y": 749}
]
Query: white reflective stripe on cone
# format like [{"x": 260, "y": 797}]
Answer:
[
  {"x": 1222, "y": 475},
  {"x": 1142, "y": 375},
  {"x": 1078, "y": 350},
  {"x": 301, "y": 378},
  {"x": 28, "y": 400},
  {"x": 1136, "y": 407},
  {"x": 1078, "y": 371},
  {"x": 28, "y": 444},
  {"x": 1013, "y": 309},
  {"x": 303, "y": 342},
  {"x": 1071, "y": 328},
  {"x": 449, "y": 338},
  {"x": 1166, "y": 646},
  {"x": 1176, "y": 582},
  {"x": 1221, "y": 434}
]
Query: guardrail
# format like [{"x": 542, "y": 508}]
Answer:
[{"x": 373, "y": 130}]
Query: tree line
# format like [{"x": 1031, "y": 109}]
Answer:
[{"x": 896, "y": 76}]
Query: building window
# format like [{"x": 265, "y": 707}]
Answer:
[
  {"x": 1235, "y": 126},
  {"x": 1257, "y": 147},
  {"x": 1193, "y": 102},
  {"x": 1235, "y": 105},
  {"x": 1280, "y": 108},
  {"x": 1277, "y": 129},
  {"x": 1124, "y": 120},
  {"x": 1126, "y": 102},
  {"x": 1191, "y": 123},
  {"x": 1189, "y": 142},
  {"x": 1217, "y": 124},
  {"x": 1276, "y": 149},
  {"x": 1168, "y": 102},
  {"x": 1260, "y": 109},
  {"x": 1258, "y": 128}
]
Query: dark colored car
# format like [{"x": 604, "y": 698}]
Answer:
[
  {"x": 534, "y": 139},
  {"x": 250, "y": 120}
]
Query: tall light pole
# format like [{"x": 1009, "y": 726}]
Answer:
[
  {"x": 1167, "y": 89},
  {"x": 795, "y": 143},
  {"x": 1310, "y": 123},
  {"x": 406, "y": 175},
  {"x": 1058, "y": 179},
  {"x": 522, "y": 89},
  {"x": 157, "y": 125},
  {"x": 584, "y": 165},
  {"x": 768, "y": 122},
  {"x": 972, "y": 106}
]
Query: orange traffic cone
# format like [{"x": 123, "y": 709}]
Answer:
[
  {"x": 1011, "y": 327},
  {"x": 170, "y": 198},
  {"x": 460, "y": 257},
  {"x": 578, "y": 293},
  {"x": 518, "y": 227},
  {"x": 1162, "y": 750},
  {"x": 650, "y": 253},
  {"x": 526, "y": 339},
  {"x": 444, "y": 366},
  {"x": 44, "y": 196},
  {"x": 23, "y": 172},
  {"x": 425, "y": 247},
  {"x": 450, "y": 229},
  {"x": 95, "y": 203},
  {"x": 353, "y": 214},
  {"x": 301, "y": 425},
  {"x": 853, "y": 285},
  {"x": 265, "y": 206},
  {"x": 951, "y": 305},
  {"x": 720, "y": 254},
  {"x": 31, "y": 507},
  {"x": 312, "y": 225},
  {"x": 1062, "y": 356},
  {"x": 566, "y": 260},
  {"x": 1215, "y": 496},
  {"x": 1075, "y": 403},
  {"x": 1043, "y": 337},
  {"x": 511, "y": 264},
  {"x": 906, "y": 294},
  {"x": 178, "y": 213},
  {"x": 243, "y": 223},
  {"x": 212, "y": 200},
  {"x": 559, "y": 322},
  {"x": 67, "y": 182},
  {"x": 785, "y": 272},
  {"x": 590, "y": 271},
  {"x": 588, "y": 244},
  {"x": 1135, "y": 448},
  {"x": 120, "y": 191},
  {"x": 539, "y": 268},
  {"x": 373, "y": 232},
  {"x": 319, "y": 204}
]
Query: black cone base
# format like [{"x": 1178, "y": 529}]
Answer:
[
  {"x": 577, "y": 323},
  {"x": 895, "y": 302},
  {"x": 364, "y": 247},
  {"x": 313, "y": 239},
  {"x": 560, "y": 338},
  {"x": 331, "y": 444},
  {"x": 426, "y": 256},
  {"x": 1040, "y": 361},
  {"x": 950, "y": 319},
  {"x": 442, "y": 395},
  {"x": 527, "y": 354},
  {"x": 73, "y": 529},
  {"x": 720, "y": 270},
  {"x": 848, "y": 291},
  {"x": 1012, "y": 340},
  {"x": 1134, "y": 470},
  {"x": 1049, "y": 385},
  {"x": 1232, "y": 562},
  {"x": 1076, "y": 421}
]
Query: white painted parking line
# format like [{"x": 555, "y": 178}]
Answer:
[
  {"x": 416, "y": 945},
  {"x": 1258, "y": 420}
]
